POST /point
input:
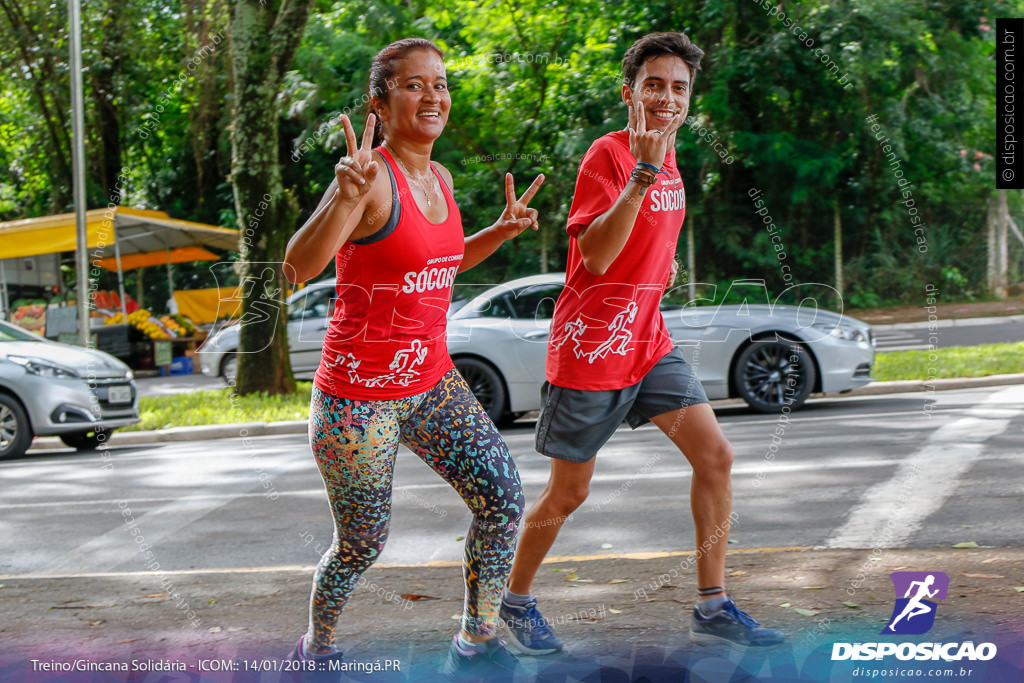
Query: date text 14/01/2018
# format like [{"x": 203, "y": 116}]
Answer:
[{"x": 332, "y": 665}]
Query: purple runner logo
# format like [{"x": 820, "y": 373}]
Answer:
[{"x": 913, "y": 614}]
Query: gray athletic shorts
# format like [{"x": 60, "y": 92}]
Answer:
[{"x": 575, "y": 423}]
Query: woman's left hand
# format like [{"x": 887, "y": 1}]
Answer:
[{"x": 517, "y": 216}]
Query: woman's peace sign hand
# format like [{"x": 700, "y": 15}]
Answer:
[
  {"x": 517, "y": 217},
  {"x": 356, "y": 170}
]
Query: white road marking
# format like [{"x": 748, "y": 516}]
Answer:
[
  {"x": 912, "y": 347},
  {"x": 800, "y": 418},
  {"x": 891, "y": 512},
  {"x": 149, "y": 501},
  {"x": 528, "y": 478},
  {"x": 120, "y": 544}
]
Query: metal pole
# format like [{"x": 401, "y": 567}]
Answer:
[
  {"x": 120, "y": 274},
  {"x": 3, "y": 292},
  {"x": 170, "y": 279},
  {"x": 78, "y": 169}
]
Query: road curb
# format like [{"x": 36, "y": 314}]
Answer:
[
  {"x": 948, "y": 322},
  {"x": 250, "y": 429},
  {"x": 198, "y": 433},
  {"x": 933, "y": 385}
]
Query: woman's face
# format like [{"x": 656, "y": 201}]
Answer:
[{"x": 417, "y": 104}]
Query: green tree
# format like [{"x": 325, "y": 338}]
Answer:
[{"x": 264, "y": 37}]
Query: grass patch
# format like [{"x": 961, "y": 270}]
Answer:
[
  {"x": 220, "y": 407},
  {"x": 955, "y": 361}
]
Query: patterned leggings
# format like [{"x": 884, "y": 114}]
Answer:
[{"x": 355, "y": 444}]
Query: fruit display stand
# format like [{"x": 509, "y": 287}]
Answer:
[
  {"x": 162, "y": 342},
  {"x": 29, "y": 315}
]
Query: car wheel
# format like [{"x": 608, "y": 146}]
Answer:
[
  {"x": 15, "y": 430},
  {"x": 771, "y": 374},
  {"x": 87, "y": 441},
  {"x": 485, "y": 383},
  {"x": 229, "y": 368}
]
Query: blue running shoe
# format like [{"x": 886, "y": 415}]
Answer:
[
  {"x": 493, "y": 664},
  {"x": 318, "y": 669},
  {"x": 731, "y": 625},
  {"x": 531, "y": 634}
]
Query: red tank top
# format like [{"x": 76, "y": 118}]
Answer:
[{"x": 387, "y": 337}]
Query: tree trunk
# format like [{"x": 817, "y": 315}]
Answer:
[
  {"x": 691, "y": 261},
  {"x": 140, "y": 277},
  {"x": 543, "y": 251},
  {"x": 1002, "y": 251},
  {"x": 992, "y": 270},
  {"x": 105, "y": 96},
  {"x": 206, "y": 113},
  {"x": 263, "y": 42},
  {"x": 837, "y": 237},
  {"x": 47, "y": 89}
]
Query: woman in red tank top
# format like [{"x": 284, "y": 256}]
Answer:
[{"x": 390, "y": 222}]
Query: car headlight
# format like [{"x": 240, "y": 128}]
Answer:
[
  {"x": 44, "y": 368},
  {"x": 128, "y": 374},
  {"x": 844, "y": 332}
]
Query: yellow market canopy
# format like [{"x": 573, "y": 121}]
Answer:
[
  {"x": 137, "y": 231},
  {"x": 117, "y": 238},
  {"x": 159, "y": 258}
]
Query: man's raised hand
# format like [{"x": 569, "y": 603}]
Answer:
[{"x": 649, "y": 146}]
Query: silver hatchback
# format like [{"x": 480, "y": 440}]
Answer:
[{"x": 53, "y": 389}]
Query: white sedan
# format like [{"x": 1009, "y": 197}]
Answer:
[{"x": 771, "y": 356}]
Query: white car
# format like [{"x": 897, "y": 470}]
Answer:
[
  {"x": 771, "y": 356},
  {"x": 309, "y": 310}
]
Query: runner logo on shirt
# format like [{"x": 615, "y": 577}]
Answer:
[
  {"x": 402, "y": 368},
  {"x": 617, "y": 342}
]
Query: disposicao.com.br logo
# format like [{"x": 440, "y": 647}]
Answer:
[{"x": 914, "y": 614}]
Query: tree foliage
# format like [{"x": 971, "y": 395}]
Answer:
[{"x": 533, "y": 84}]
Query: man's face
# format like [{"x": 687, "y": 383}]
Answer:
[{"x": 663, "y": 85}]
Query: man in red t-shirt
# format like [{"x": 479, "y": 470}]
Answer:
[{"x": 610, "y": 357}]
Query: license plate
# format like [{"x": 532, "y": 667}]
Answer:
[{"x": 119, "y": 394}]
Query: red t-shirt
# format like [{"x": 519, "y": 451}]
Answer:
[
  {"x": 607, "y": 331},
  {"x": 387, "y": 338}
]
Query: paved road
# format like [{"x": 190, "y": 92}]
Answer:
[
  {"x": 836, "y": 481},
  {"x": 963, "y": 332}
]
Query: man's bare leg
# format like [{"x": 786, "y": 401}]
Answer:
[
  {"x": 567, "y": 488},
  {"x": 695, "y": 431},
  {"x": 716, "y": 620}
]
